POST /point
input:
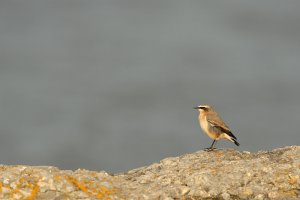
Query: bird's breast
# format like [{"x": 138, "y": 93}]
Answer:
[
  {"x": 206, "y": 127},
  {"x": 203, "y": 123}
]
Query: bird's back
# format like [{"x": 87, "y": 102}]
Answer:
[{"x": 214, "y": 118}]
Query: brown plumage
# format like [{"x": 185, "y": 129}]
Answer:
[{"x": 213, "y": 125}]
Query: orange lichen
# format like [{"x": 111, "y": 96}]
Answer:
[
  {"x": 214, "y": 171},
  {"x": 90, "y": 188},
  {"x": 73, "y": 181},
  {"x": 27, "y": 187},
  {"x": 293, "y": 179},
  {"x": 219, "y": 154},
  {"x": 5, "y": 186},
  {"x": 16, "y": 189},
  {"x": 34, "y": 192},
  {"x": 103, "y": 191},
  {"x": 288, "y": 193},
  {"x": 57, "y": 178}
]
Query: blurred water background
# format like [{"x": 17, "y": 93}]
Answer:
[{"x": 111, "y": 85}]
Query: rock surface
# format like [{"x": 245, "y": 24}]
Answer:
[{"x": 220, "y": 174}]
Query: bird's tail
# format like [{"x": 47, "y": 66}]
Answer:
[
  {"x": 232, "y": 138},
  {"x": 235, "y": 142}
]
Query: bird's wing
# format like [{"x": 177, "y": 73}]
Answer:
[{"x": 216, "y": 121}]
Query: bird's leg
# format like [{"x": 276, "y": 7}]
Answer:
[{"x": 211, "y": 146}]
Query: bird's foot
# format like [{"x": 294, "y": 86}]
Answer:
[{"x": 209, "y": 149}]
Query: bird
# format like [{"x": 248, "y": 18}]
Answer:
[{"x": 213, "y": 125}]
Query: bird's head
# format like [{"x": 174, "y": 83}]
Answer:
[{"x": 204, "y": 108}]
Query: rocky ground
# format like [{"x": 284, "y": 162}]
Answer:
[{"x": 220, "y": 174}]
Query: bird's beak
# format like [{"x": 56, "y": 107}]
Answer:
[{"x": 197, "y": 107}]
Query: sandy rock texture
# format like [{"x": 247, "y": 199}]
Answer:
[{"x": 220, "y": 174}]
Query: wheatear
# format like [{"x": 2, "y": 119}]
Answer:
[{"x": 214, "y": 126}]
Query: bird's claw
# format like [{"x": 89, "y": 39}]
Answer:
[{"x": 209, "y": 149}]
